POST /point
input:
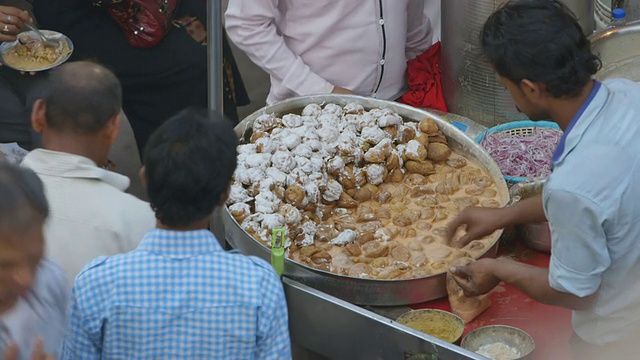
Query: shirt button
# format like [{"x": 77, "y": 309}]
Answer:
[
  {"x": 381, "y": 22},
  {"x": 382, "y": 62}
]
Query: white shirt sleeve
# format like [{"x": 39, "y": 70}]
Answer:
[
  {"x": 251, "y": 26},
  {"x": 419, "y": 30},
  {"x": 579, "y": 253}
]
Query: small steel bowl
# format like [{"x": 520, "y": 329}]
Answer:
[
  {"x": 420, "y": 320},
  {"x": 508, "y": 335}
]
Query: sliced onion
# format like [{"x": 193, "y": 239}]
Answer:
[{"x": 527, "y": 156}]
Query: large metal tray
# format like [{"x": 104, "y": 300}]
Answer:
[{"x": 355, "y": 290}]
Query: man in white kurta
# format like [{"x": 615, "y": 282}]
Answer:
[{"x": 91, "y": 215}]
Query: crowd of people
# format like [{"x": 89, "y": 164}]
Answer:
[{"x": 88, "y": 271}]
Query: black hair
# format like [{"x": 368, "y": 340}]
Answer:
[
  {"x": 539, "y": 40},
  {"x": 82, "y": 97},
  {"x": 22, "y": 198},
  {"x": 189, "y": 161}
]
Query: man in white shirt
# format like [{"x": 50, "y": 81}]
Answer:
[
  {"x": 33, "y": 290},
  {"x": 91, "y": 215},
  {"x": 316, "y": 47},
  {"x": 591, "y": 198}
]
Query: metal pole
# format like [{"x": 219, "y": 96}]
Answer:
[
  {"x": 216, "y": 91},
  {"x": 214, "y": 54}
]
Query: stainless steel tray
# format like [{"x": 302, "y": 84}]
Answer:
[{"x": 356, "y": 290}]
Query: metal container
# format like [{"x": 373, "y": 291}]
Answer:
[
  {"x": 470, "y": 86},
  {"x": 508, "y": 335},
  {"x": 356, "y": 290},
  {"x": 619, "y": 51}
]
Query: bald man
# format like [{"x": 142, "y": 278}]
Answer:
[{"x": 91, "y": 215}]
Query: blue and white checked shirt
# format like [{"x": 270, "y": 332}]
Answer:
[{"x": 179, "y": 295}]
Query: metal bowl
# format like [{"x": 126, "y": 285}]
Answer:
[
  {"x": 356, "y": 290},
  {"x": 508, "y": 335},
  {"x": 618, "y": 51},
  {"x": 418, "y": 320}
]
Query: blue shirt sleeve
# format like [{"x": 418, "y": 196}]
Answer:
[
  {"x": 579, "y": 253},
  {"x": 83, "y": 338},
  {"x": 273, "y": 322}
]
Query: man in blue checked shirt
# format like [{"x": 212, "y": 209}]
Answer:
[
  {"x": 179, "y": 295},
  {"x": 591, "y": 198}
]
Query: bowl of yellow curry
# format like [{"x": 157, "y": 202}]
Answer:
[{"x": 437, "y": 323}]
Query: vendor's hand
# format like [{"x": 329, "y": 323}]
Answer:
[
  {"x": 476, "y": 278},
  {"x": 12, "y": 21},
  {"x": 479, "y": 222},
  {"x": 37, "y": 354},
  {"x": 339, "y": 90}
]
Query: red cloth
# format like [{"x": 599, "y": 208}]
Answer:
[{"x": 424, "y": 80}]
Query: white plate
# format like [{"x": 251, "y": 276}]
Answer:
[{"x": 6, "y": 46}]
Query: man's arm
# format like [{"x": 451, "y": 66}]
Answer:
[
  {"x": 481, "y": 222},
  {"x": 79, "y": 342},
  {"x": 579, "y": 256},
  {"x": 273, "y": 321},
  {"x": 419, "y": 30},
  {"x": 251, "y": 26},
  {"x": 482, "y": 276}
]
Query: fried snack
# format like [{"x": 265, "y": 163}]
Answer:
[{"x": 438, "y": 152}]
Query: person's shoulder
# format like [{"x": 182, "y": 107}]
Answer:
[
  {"x": 621, "y": 84},
  {"x": 251, "y": 264},
  {"x": 103, "y": 269},
  {"x": 51, "y": 282}
]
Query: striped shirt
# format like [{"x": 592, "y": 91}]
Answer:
[{"x": 179, "y": 295}]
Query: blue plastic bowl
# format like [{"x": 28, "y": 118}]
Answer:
[{"x": 516, "y": 128}]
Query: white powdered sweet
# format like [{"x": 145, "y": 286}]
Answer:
[
  {"x": 272, "y": 221},
  {"x": 345, "y": 237},
  {"x": 302, "y": 150},
  {"x": 335, "y": 165},
  {"x": 262, "y": 161},
  {"x": 332, "y": 109},
  {"x": 278, "y": 176},
  {"x": 498, "y": 351},
  {"x": 375, "y": 173},
  {"x": 333, "y": 191},
  {"x": 267, "y": 202},
  {"x": 373, "y": 134},
  {"x": 291, "y": 214},
  {"x": 313, "y": 110},
  {"x": 283, "y": 161},
  {"x": 247, "y": 149},
  {"x": 238, "y": 194},
  {"x": 412, "y": 148},
  {"x": 292, "y": 120},
  {"x": 266, "y": 145}
]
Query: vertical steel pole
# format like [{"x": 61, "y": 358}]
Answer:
[
  {"x": 216, "y": 91},
  {"x": 214, "y": 54}
]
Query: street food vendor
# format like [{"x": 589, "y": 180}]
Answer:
[{"x": 590, "y": 200}]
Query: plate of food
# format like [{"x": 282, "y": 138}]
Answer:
[{"x": 29, "y": 53}]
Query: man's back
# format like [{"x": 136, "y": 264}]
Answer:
[
  {"x": 178, "y": 295},
  {"x": 591, "y": 203},
  {"x": 90, "y": 214}
]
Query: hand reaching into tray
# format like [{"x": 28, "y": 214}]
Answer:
[{"x": 480, "y": 222}]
